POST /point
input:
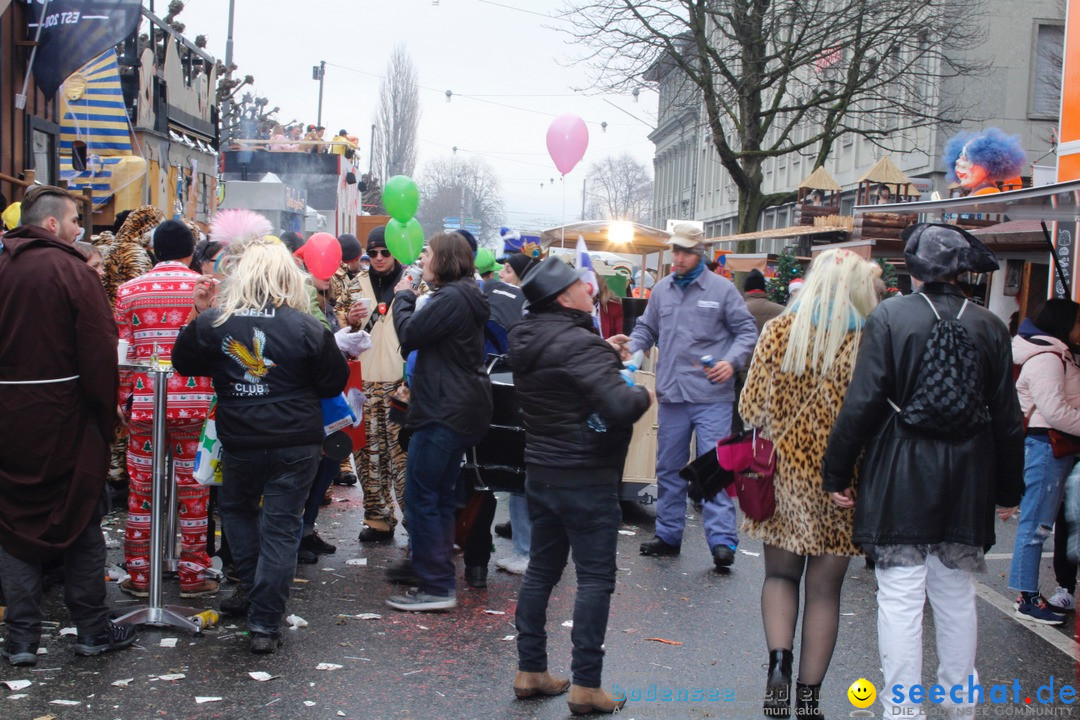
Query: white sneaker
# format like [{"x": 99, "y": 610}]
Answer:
[
  {"x": 1062, "y": 600},
  {"x": 516, "y": 565}
]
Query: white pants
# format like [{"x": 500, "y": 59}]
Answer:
[{"x": 902, "y": 592}]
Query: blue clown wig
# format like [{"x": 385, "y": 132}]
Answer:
[{"x": 1002, "y": 155}]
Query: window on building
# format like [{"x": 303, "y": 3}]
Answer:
[
  {"x": 1045, "y": 101},
  {"x": 43, "y": 147}
]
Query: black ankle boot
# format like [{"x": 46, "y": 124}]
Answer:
[
  {"x": 806, "y": 701},
  {"x": 778, "y": 685}
]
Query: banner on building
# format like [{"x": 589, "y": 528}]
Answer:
[{"x": 73, "y": 32}]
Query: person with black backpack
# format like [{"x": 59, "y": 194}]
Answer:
[
  {"x": 933, "y": 404},
  {"x": 1049, "y": 390}
]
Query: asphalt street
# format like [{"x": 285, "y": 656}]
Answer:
[{"x": 676, "y": 625}]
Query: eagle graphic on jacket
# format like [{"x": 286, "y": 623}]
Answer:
[{"x": 254, "y": 362}]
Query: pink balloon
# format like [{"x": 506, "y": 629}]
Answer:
[
  {"x": 567, "y": 138},
  {"x": 321, "y": 255}
]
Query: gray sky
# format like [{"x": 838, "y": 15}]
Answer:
[{"x": 504, "y": 54}]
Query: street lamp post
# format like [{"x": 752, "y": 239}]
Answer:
[
  {"x": 319, "y": 73},
  {"x": 226, "y": 105}
]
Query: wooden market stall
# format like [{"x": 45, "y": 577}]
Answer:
[{"x": 617, "y": 236}]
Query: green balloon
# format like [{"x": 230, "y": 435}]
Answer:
[
  {"x": 405, "y": 240},
  {"x": 401, "y": 198}
]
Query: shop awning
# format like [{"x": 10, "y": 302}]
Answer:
[{"x": 599, "y": 235}]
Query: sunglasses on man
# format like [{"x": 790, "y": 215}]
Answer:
[{"x": 379, "y": 252}]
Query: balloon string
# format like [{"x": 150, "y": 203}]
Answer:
[{"x": 562, "y": 239}]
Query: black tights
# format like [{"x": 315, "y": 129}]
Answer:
[{"x": 821, "y": 615}]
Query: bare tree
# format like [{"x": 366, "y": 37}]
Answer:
[
  {"x": 775, "y": 77},
  {"x": 397, "y": 118},
  {"x": 619, "y": 188},
  {"x": 455, "y": 187}
]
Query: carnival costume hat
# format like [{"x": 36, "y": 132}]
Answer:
[
  {"x": 936, "y": 251},
  {"x": 138, "y": 223},
  {"x": 485, "y": 262},
  {"x": 547, "y": 281}
]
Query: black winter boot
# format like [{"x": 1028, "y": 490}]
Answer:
[
  {"x": 778, "y": 684},
  {"x": 806, "y": 701}
]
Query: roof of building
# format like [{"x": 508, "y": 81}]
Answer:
[
  {"x": 885, "y": 172},
  {"x": 820, "y": 179}
]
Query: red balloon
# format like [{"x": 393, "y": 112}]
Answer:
[{"x": 321, "y": 255}]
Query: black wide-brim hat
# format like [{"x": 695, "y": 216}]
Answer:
[
  {"x": 547, "y": 280},
  {"x": 937, "y": 251}
]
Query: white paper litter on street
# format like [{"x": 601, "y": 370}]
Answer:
[
  {"x": 747, "y": 552},
  {"x": 69, "y": 703},
  {"x": 340, "y": 714},
  {"x": 357, "y": 561},
  {"x": 366, "y": 616},
  {"x": 172, "y": 676},
  {"x": 495, "y": 612},
  {"x": 121, "y": 683},
  {"x": 509, "y": 637},
  {"x": 43, "y": 651},
  {"x": 200, "y": 700},
  {"x": 328, "y": 569},
  {"x": 168, "y": 642},
  {"x": 296, "y": 622},
  {"x": 327, "y": 666},
  {"x": 568, "y": 623},
  {"x": 309, "y": 703},
  {"x": 20, "y": 696},
  {"x": 68, "y": 631},
  {"x": 262, "y": 676},
  {"x": 18, "y": 684},
  {"x": 627, "y": 532},
  {"x": 423, "y": 627}
]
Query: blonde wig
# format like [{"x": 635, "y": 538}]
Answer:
[
  {"x": 836, "y": 299},
  {"x": 261, "y": 273}
]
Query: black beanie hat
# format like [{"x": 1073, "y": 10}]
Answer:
[
  {"x": 521, "y": 263},
  {"x": 350, "y": 247},
  {"x": 292, "y": 241},
  {"x": 172, "y": 240},
  {"x": 754, "y": 281},
  {"x": 468, "y": 238},
  {"x": 377, "y": 237}
]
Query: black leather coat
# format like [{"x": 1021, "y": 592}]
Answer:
[
  {"x": 915, "y": 488},
  {"x": 563, "y": 373}
]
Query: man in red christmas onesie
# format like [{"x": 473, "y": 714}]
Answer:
[{"x": 150, "y": 310}]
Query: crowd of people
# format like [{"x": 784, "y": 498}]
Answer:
[{"x": 898, "y": 429}]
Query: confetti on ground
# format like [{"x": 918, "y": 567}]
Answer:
[
  {"x": 309, "y": 703},
  {"x": 68, "y": 631},
  {"x": 300, "y": 580},
  {"x": 747, "y": 552},
  {"x": 627, "y": 532},
  {"x": 340, "y": 714},
  {"x": 296, "y": 622},
  {"x": 509, "y": 637},
  {"x": 848, "y": 614},
  {"x": 665, "y": 641},
  {"x": 45, "y": 717},
  {"x": 423, "y": 627},
  {"x": 568, "y": 623},
  {"x": 200, "y": 699},
  {"x": 327, "y": 666},
  {"x": 367, "y": 616},
  {"x": 357, "y": 561},
  {"x": 168, "y": 642},
  {"x": 18, "y": 684},
  {"x": 328, "y": 569},
  {"x": 20, "y": 696},
  {"x": 69, "y": 703},
  {"x": 262, "y": 676},
  {"x": 122, "y": 683},
  {"x": 495, "y": 612},
  {"x": 172, "y": 676},
  {"x": 43, "y": 651}
]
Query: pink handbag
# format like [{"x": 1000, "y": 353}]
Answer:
[{"x": 753, "y": 461}]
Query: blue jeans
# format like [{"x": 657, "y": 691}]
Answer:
[
  {"x": 520, "y": 523},
  {"x": 676, "y": 423},
  {"x": 579, "y": 518},
  {"x": 264, "y": 540},
  {"x": 431, "y": 474},
  {"x": 324, "y": 477},
  {"x": 1044, "y": 486}
]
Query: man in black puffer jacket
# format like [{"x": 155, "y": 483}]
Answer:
[{"x": 578, "y": 414}]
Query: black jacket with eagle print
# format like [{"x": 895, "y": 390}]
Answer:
[{"x": 270, "y": 369}]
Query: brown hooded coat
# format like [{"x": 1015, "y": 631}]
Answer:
[{"x": 55, "y": 322}]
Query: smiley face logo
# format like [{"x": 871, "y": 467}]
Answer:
[{"x": 861, "y": 693}]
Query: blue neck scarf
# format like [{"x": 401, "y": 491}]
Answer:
[{"x": 684, "y": 281}]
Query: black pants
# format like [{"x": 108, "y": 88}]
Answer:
[
  {"x": 569, "y": 515},
  {"x": 84, "y": 588},
  {"x": 475, "y": 521}
]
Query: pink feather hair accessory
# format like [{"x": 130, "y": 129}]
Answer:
[{"x": 232, "y": 226}]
